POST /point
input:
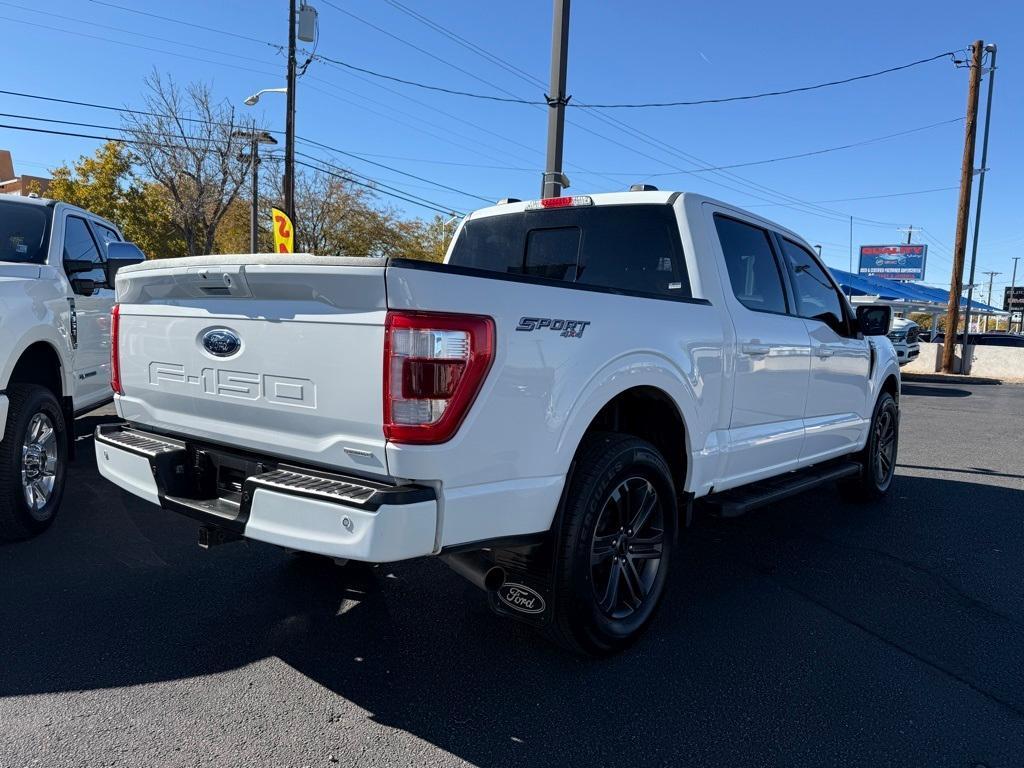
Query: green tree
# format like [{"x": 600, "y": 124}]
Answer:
[{"x": 104, "y": 184}]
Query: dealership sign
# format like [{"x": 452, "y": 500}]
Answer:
[
  {"x": 893, "y": 262},
  {"x": 1013, "y": 299}
]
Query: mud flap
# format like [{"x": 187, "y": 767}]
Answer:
[{"x": 527, "y": 594}]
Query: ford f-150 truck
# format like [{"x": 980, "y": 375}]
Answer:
[
  {"x": 57, "y": 264},
  {"x": 541, "y": 410}
]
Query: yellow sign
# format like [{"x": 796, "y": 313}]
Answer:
[{"x": 284, "y": 232}]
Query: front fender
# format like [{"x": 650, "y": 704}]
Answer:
[{"x": 34, "y": 309}]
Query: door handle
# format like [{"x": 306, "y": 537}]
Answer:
[
  {"x": 755, "y": 349},
  {"x": 824, "y": 352}
]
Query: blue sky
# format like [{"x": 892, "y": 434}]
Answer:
[{"x": 638, "y": 51}]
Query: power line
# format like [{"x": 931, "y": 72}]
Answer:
[
  {"x": 435, "y": 208},
  {"x": 815, "y": 152},
  {"x": 185, "y": 23},
  {"x": 807, "y": 208},
  {"x": 580, "y": 105},
  {"x": 766, "y": 94},
  {"x": 126, "y": 110},
  {"x": 425, "y": 86},
  {"x": 407, "y": 197},
  {"x": 874, "y": 197},
  {"x": 88, "y": 22},
  {"x": 136, "y": 45}
]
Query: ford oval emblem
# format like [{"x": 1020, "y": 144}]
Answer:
[
  {"x": 520, "y": 597},
  {"x": 221, "y": 342}
]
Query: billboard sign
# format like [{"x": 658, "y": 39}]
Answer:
[
  {"x": 893, "y": 262},
  {"x": 1013, "y": 299}
]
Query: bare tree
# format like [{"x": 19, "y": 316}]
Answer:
[{"x": 189, "y": 144}]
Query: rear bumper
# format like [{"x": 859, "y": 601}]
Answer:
[{"x": 297, "y": 507}]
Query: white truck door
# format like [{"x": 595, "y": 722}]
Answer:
[
  {"x": 84, "y": 265},
  {"x": 772, "y": 357},
  {"x": 837, "y": 402}
]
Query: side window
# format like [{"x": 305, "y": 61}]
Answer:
[
  {"x": 105, "y": 234},
  {"x": 552, "y": 253},
  {"x": 82, "y": 258},
  {"x": 634, "y": 248},
  {"x": 753, "y": 268},
  {"x": 816, "y": 297}
]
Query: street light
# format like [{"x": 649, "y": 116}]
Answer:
[
  {"x": 254, "y": 99},
  {"x": 289, "y": 143}
]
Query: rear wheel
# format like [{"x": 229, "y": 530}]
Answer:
[
  {"x": 878, "y": 459},
  {"x": 33, "y": 462},
  {"x": 618, "y": 532}
]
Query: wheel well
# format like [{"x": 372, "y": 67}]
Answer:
[
  {"x": 891, "y": 386},
  {"x": 650, "y": 414},
  {"x": 39, "y": 364}
]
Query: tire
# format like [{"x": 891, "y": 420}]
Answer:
[
  {"x": 611, "y": 485},
  {"x": 878, "y": 459},
  {"x": 32, "y": 480}
]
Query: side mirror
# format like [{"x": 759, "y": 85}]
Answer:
[
  {"x": 873, "y": 319},
  {"x": 121, "y": 255},
  {"x": 83, "y": 286}
]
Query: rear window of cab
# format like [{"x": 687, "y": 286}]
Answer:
[
  {"x": 632, "y": 249},
  {"x": 24, "y": 232}
]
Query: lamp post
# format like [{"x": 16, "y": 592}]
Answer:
[{"x": 255, "y": 138}]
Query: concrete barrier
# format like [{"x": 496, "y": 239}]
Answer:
[{"x": 1006, "y": 363}]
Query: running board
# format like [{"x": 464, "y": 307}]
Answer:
[{"x": 739, "y": 501}]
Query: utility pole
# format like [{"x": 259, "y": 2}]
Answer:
[
  {"x": 1013, "y": 290},
  {"x": 962, "y": 210},
  {"x": 255, "y": 138},
  {"x": 289, "y": 128},
  {"x": 554, "y": 179},
  {"x": 991, "y": 49},
  {"x": 910, "y": 232},
  {"x": 991, "y": 276}
]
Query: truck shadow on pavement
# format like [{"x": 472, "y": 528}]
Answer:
[{"x": 783, "y": 633}]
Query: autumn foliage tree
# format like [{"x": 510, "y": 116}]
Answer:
[{"x": 105, "y": 184}]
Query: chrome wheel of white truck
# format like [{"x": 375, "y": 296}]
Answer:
[{"x": 33, "y": 462}]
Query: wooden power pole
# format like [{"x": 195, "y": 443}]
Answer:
[
  {"x": 962, "y": 211},
  {"x": 554, "y": 179}
]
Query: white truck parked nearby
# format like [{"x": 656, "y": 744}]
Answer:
[
  {"x": 56, "y": 291},
  {"x": 541, "y": 410},
  {"x": 903, "y": 334}
]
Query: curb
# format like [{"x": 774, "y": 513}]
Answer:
[{"x": 949, "y": 378}]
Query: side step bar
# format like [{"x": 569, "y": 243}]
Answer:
[{"x": 739, "y": 501}]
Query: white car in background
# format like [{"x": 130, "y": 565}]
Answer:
[{"x": 904, "y": 337}]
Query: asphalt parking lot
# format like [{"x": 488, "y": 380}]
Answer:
[{"x": 813, "y": 633}]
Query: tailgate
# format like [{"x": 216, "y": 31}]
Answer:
[{"x": 281, "y": 356}]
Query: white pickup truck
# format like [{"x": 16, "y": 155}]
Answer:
[
  {"x": 57, "y": 264},
  {"x": 541, "y": 410}
]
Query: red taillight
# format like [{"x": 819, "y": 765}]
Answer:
[
  {"x": 434, "y": 364},
  {"x": 115, "y": 357}
]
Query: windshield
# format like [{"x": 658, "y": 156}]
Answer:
[{"x": 24, "y": 232}]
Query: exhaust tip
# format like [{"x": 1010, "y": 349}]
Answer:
[{"x": 494, "y": 578}]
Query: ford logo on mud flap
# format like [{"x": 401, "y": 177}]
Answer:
[
  {"x": 521, "y": 598},
  {"x": 221, "y": 342}
]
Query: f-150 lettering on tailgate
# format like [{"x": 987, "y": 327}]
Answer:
[{"x": 243, "y": 385}]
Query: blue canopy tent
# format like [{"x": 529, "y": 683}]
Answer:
[{"x": 905, "y": 297}]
